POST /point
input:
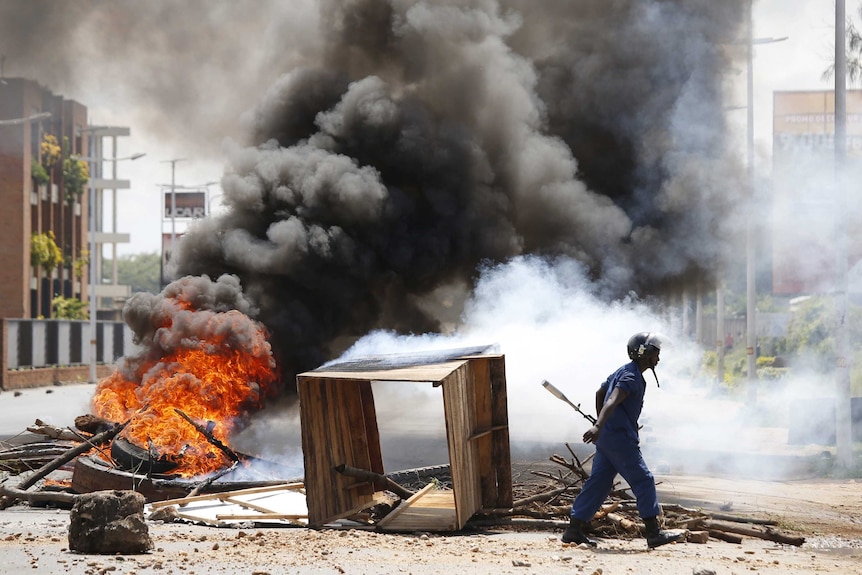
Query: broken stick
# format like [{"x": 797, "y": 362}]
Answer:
[
  {"x": 210, "y": 437},
  {"x": 380, "y": 481},
  {"x": 92, "y": 442},
  {"x": 768, "y": 533}
]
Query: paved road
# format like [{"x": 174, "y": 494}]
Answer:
[{"x": 57, "y": 405}]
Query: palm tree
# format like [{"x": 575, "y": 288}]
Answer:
[{"x": 854, "y": 53}]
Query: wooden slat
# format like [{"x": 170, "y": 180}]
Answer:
[
  {"x": 227, "y": 494},
  {"x": 356, "y": 429},
  {"x": 260, "y": 517},
  {"x": 433, "y": 372},
  {"x": 314, "y": 445},
  {"x": 375, "y": 499},
  {"x": 247, "y": 505},
  {"x": 195, "y": 519},
  {"x": 432, "y": 510},
  {"x": 501, "y": 453},
  {"x": 483, "y": 441},
  {"x": 336, "y": 420},
  {"x": 372, "y": 433},
  {"x": 404, "y": 505},
  {"x": 458, "y": 402}
]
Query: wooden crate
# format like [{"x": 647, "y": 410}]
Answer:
[{"x": 339, "y": 427}]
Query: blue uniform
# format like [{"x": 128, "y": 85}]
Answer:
[{"x": 618, "y": 451}]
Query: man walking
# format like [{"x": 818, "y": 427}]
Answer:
[{"x": 619, "y": 401}]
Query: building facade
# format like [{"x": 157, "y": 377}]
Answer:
[
  {"x": 810, "y": 213},
  {"x": 43, "y": 197}
]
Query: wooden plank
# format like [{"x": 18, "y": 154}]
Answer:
[
  {"x": 433, "y": 511},
  {"x": 356, "y": 429},
  {"x": 484, "y": 418},
  {"x": 315, "y": 445},
  {"x": 431, "y": 373},
  {"x": 501, "y": 453},
  {"x": 195, "y": 519},
  {"x": 458, "y": 402},
  {"x": 338, "y": 500},
  {"x": 404, "y": 505},
  {"x": 372, "y": 432},
  {"x": 375, "y": 499},
  {"x": 227, "y": 494},
  {"x": 260, "y": 517},
  {"x": 247, "y": 505}
]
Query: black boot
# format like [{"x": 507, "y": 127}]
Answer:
[
  {"x": 655, "y": 537},
  {"x": 574, "y": 533}
]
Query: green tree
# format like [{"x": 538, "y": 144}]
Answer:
[
  {"x": 39, "y": 173},
  {"x": 853, "y": 51},
  {"x": 44, "y": 252},
  {"x": 69, "y": 308},
  {"x": 76, "y": 174},
  {"x": 51, "y": 151},
  {"x": 140, "y": 271},
  {"x": 811, "y": 332}
]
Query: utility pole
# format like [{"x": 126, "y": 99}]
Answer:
[
  {"x": 173, "y": 206},
  {"x": 843, "y": 421},
  {"x": 750, "y": 268},
  {"x": 750, "y": 236}
]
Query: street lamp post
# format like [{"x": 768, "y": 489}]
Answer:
[
  {"x": 92, "y": 230},
  {"x": 27, "y": 120},
  {"x": 750, "y": 267}
]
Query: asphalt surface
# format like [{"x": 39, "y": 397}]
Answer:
[{"x": 55, "y": 405}]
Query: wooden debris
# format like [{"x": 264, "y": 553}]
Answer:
[
  {"x": 29, "y": 456},
  {"x": 71, "y": 454},
  {"x": 721, "y": 535},
  {"x": 379, "y": 481},
  {"x": 543, "y": 500},
  {"x": 209, "y": 436},
  {"x": 762, "y": 533},
  {"x": 54, "y": 432},
  {"x": 619, "y": 517},
  {"x": 93, "y": 424}
]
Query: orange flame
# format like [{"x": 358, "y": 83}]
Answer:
[{"x": 209, "y": 377}]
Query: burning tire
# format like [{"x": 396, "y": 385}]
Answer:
[{"x": 130, "y": 457}]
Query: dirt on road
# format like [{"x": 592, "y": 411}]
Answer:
[{"x": 828, "y": 513}]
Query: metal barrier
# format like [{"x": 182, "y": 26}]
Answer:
[{"x": 51, "y": 342}]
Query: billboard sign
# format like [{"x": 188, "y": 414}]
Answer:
[{"x": 188, "y": 205}]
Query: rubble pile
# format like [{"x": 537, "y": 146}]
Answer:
[{"x": 544, "y": 494}]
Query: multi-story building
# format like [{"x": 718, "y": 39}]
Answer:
[
  {"x": 43, "y": 199},
  {"x": 51, "y": 238}
]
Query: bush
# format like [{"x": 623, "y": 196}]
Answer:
[
  {"x": 44, "y": 252},
  {"x": 51, "y": 151},
  {"x": 76, "y": 174},
  {"x": 39, "y": 173},
  {"x": 69, "y": 308}
]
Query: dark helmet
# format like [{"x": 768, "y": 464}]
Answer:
[{"x": 642, "y": 343}]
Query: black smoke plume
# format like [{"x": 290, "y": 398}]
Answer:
[
  {"x": 395, "y": 148},
  {"x": 433, "y": 138}
]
